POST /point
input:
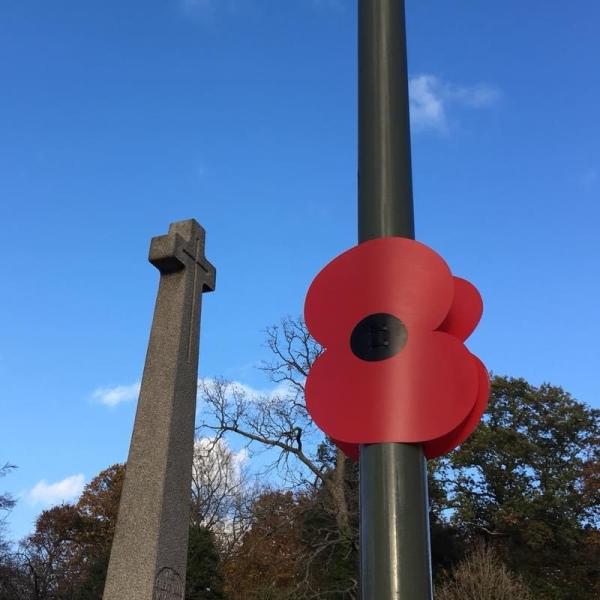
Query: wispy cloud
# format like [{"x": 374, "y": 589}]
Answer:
[
  {"x": 431, "y": 98},
  {"x": 252, "y": 393},
  {"x": 111, "y": 396},
  {"x": 204, "y": 446},
  {"x": 65, "y": 490}
]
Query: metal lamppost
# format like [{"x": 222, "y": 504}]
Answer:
[
  {"x": 395, "y": 383},
  {"x": 394, "y": 524}
]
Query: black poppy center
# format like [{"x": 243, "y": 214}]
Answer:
[{"x": 378, "y": 337}]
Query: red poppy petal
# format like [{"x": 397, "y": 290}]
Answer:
[
  {"x": 465, "y": 312},
  {"x": 391, "y": 275},
  {"x": 352, "y": 451},
  {"x": 420, "y": 394},
  {"x": 448, "y": 442}
]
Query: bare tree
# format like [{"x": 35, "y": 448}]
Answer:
[
  {"x": 9, "y": 572},
  {"x": 222, "y": 491},
  {"x": 294, "y": 351},
  {"x": 279, "y": 423},
  {"x": 7, "y": 502},
  {"x": 292, "y": 452},
  {"x": 482, "y": 576}
]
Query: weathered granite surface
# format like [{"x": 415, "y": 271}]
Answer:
[{"x": 148, "y": 557}]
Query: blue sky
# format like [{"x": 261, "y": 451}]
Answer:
[{"x": 117, "y": 118}]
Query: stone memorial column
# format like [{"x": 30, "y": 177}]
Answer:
[{"x": 149, "y": 552}]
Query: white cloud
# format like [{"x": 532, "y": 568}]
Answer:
[
  {"x": 431, "y": 98},
  {"x": 241, "y": 458},
  {"x": 49, "y": 494},
  {"x": 426, "y": 105},
  {"x": 475, "y": 96},
  {"x": 252, "y": 393},
  {"x": 111, "y": 396},
  {"x": 219, "y": 451}
]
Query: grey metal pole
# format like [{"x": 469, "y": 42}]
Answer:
[
  {"x": 394, "y": 526},
  {"x": 385, "y": 204}
]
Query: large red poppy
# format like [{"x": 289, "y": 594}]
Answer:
[{"x": 392, "y": 320}]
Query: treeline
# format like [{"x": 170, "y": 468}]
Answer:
[{"x": 514, "y": 512}]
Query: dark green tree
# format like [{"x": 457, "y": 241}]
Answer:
[
  {"x": 267, "y": 563},
  {"x": 447, "y": 543},
  {"x": 92, "y": 586},
  {"x": 204, "y": 580},
  {"x": 528, "y": 480}
]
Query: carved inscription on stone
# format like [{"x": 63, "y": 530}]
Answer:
[{"x": 168, "y": 585}]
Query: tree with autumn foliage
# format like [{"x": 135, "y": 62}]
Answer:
[
  {"x": 66, "y": 558},
  {"x": 518, "y": 502},
  {"x": 67, "y": 555},
  {"x": 302, "y": 457},
  {"x": 268, "y": 562},
  {"x": 527, "y": 481}
]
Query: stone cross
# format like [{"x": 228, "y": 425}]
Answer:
[{"x": 149, "y": 552}]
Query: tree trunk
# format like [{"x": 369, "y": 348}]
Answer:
[{"x": 338, "y": 492}]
